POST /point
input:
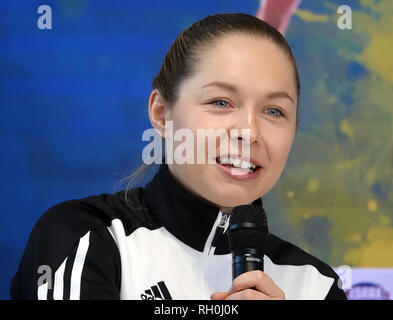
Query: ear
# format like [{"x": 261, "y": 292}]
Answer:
[{"x": 157, "y": 112}]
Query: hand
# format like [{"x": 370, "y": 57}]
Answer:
[{"x": 252, "y": 285}]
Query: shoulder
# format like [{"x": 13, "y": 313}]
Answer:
[
  {"x": 283, "y": 252},
  {"x": 72, "y": 219},
  {"x": 79, "y": 227},
  {"x": 286, "y": 255}
]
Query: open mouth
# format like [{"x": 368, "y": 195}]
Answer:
[{"x": 238, "y": 163}]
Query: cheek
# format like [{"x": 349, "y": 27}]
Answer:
[
  {"x": 192, "y": 122},
  {"x": 279, "y": 147}
]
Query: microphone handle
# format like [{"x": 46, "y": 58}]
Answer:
[{"x": 244, "y": 260}]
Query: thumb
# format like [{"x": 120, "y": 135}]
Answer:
[{"x": 219, "y": 296}]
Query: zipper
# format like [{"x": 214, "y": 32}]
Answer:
[{"x": 218, "y": 233}]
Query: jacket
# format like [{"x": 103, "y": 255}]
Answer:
[{"x": 164, "y": 242}]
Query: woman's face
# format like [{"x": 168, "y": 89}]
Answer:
[{"x": 263, "y": 100}]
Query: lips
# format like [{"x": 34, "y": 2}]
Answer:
[
  {"x": 239, "y": 162},
  {"x": 238, "y": 167}
]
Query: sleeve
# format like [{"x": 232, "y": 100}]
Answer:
[
  {"x": 335, "y": 292},
  {"x": 60, "y": 263}
]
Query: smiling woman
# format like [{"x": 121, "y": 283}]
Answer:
[
  {"x": 258, "y": 92},
  {"x": 226, "y": 73}
]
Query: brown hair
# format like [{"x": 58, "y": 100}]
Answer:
[{"x": 181, "y": 61}]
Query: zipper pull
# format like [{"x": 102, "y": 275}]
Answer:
[{"x": 223, "y": 221}]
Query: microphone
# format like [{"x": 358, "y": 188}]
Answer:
[{"x": 247, "y": 233}]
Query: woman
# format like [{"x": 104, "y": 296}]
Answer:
[{"x": 168, "y": 240}]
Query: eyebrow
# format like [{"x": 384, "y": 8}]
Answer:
[{"x": 232, "y": 88}]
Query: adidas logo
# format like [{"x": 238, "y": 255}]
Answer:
[{"x": 157, "y": 292}]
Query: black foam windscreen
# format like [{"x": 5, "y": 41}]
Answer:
[{"x": 248, "y": 227}]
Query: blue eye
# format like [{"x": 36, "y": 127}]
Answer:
[
  {"x": 277, "y": 112},
  {"x": 220, "y": 105}
]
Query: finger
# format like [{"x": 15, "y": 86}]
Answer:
[
  {"x": 248, "y": 294},
  {"x": 258, "y": 280},
  {"x": 219, "y": 296}
]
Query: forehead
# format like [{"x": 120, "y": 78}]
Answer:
[{"x": 252, "y": 63}]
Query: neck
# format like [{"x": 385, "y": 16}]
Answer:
[{"x": 226, "y": 210}]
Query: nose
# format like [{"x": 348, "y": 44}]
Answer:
[{"x": 247, "y": 126}]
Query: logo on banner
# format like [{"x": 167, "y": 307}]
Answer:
[{"x": 367, "y": 291}]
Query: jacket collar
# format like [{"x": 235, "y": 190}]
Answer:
[{"x": 187, "y": 216}]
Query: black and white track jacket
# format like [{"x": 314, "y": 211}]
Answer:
[{"x": 166, "y": 243}]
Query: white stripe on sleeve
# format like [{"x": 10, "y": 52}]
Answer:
[
  {"x": 58, "y": 288},
  {"x": 77, "y": 268},
  {"x": 42, "y": 292}
]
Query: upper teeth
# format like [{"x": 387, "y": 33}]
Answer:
[{"x": 238, "y": 163}]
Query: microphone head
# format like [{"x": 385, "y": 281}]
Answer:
[{"x": 247, "y": 228}]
